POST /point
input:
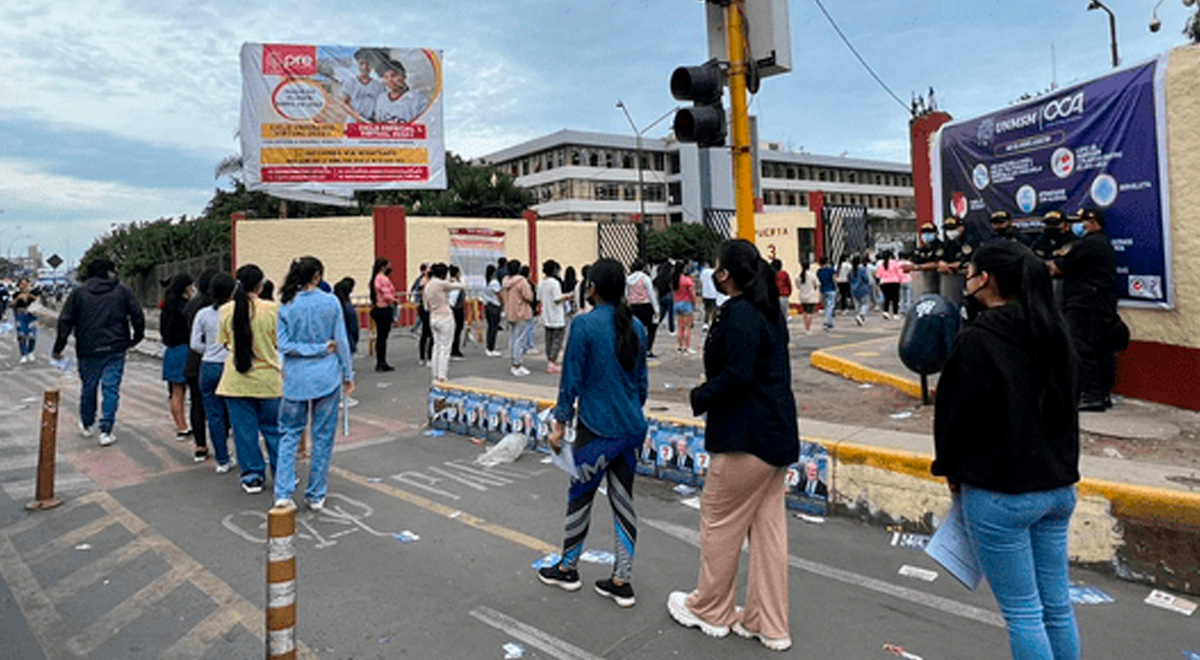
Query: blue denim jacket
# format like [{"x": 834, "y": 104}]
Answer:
[
  {"x": 306, "y": 326},
  {"x": 610, "y": 398}
]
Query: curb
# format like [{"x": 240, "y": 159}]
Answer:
[{"x": 856, "y": 372}]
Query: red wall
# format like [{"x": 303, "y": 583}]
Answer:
[
  {"x": 921, "y": 131},
  {"x": 1160, "y": 372},
  {"x": 390, "y": 233}
]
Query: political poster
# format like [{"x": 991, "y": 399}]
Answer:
[
  {"x": 807, "y": 480},
  {"x": 341, "y": 118},
  {"x": 1099, "y": 145}
]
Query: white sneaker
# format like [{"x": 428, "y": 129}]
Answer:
[
  {"x": 23, "y": 360},
  {"x": 85, "y": 431},
  {"x": 351, "y": 402},
  {"x": 533, "y": 351},
  {"x": 107, "y": 439},
  {"x": 773, "y": 643},
  {"x": 32, "y": 357},
  {"x": 317, "y": 504},
  {"x": 222, "y": 468},
  {"x": 492, "y": 353},
  {"x": 520, "y": 371},
  {"x": 677, "y": 607},
  {"x": 284, "y": 503},
  {"x": 887, "y": 317}
]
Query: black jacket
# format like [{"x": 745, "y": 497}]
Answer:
[
  {"x": 1003, "y": 420},
  {"x": 748, "y": 391},
  {"x": 104, "y": 315},
  {"x": 1089, "y": 271}
]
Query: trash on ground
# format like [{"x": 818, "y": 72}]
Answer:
[
  {"x": 547, "y": 460},
  {"x": 382, "y": 385},
  {"x": 597, "y": 557},
  {"x": 29, "y": 399},
  {"x": 1113, "y": 452},
  {"x": 455, "y": 514},
  {"x": 374, "y": 480},
  {"x": 899, "y": 650},
  {"x": 434, "y": 433},
  {"x": 667, "y": 386},
  {"x": 901, "y": 415},
  {"x": 5, "y": 328},
  {"x": 1085, "y": 595},
  {"x": 918, "y": 573},
  {"x": 909, "y": 540},
  {"x": 512, "y": 651},
  {"x": 407, "y": 537},
  {"x": 684, "y": 489},
  {"x": 810, "y": 519},
  {"x": 691, "y": 502},
  {"x": 865, "y": 386},
  {"x": 476, "y": 440},
  {"x": 506, "y": 451},
  {"x": 384, "y": 640},
  {"x": 1190, "y": 655},
  {"x": 84, "y": 546},
  {"x": 602, "y": 489},
  {"x": 551, "y": 559},
  {"x": 62, "y": 365},
  {"x": 1171, "y": 602}
]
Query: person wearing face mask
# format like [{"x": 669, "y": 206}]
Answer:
[
  {"x": 955, "y": 252},
  {"x": 1006, "y": 438},
  {"x": 383, "y": 304},
  {"x": 1055, "y": 236},
  {"x": 1002, "y": 227},
  {"x": 925, "y": 260},
  {"x": 1088, "y": 270}
]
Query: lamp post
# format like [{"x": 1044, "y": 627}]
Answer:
[
  {"x": 1112, "y": 28},
  {"x": 641, "y": 199}
]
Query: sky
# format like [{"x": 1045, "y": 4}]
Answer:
[{"x": 119, "y": 110}]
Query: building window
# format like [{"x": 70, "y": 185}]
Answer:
[
  {"x": 594, "y": 159},
  {"x": 803, "y": 199},
  {"x": 674, "y": 164},
  {"x": 608, "y": 191},
  {"x": 674, "y": 193},
  {"x": 676, "y": 218},
  {"x": 822, "y": 175},
  {"x": 658, "y": 162}
]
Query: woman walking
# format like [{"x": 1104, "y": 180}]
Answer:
[
  {"x": 436, "y": 299},
  {"x": 191, "y": 368},
  {"x": 860, "y": 288},
  {"x": 317, "y": 367},
  {"x": 639, "y": 290},
  {"x": 26, "y": 321},
  {"x": 383, "y": 310},
  {"x": 1006, "y": 438},
  {"x": 213, "y": 355},
  {"x": 175, "y": 332},
  {"x": 752, "y": 436},
  {"x": 889, "y": 273},
  {"x": 252, "y": 381},
  {"x": 810, "y": 294},
  {"x": 554, "y": 313},
  {"x": 685, "y": 308},
  {"x": 605, "y": 373},
  {"x": 491, "y": 308}
]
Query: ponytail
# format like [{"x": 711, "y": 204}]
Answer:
[
  {"x": 753, "y": 276},
  {"x": 249, "y": 278},
  {"x": 607, "y": 276},
  {"x": 301, "y": 273}
]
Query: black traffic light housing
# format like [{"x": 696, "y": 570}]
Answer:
[{"x": 704, "y": 122}]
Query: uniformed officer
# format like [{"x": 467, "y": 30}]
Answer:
[
  {"x": 925, "y": 260},
  {"x": 952, "y": 261},
  {"x": 1055, "y": 236},
  {"x": 1002, "y": 227},
  {"x": 1088, "y": 269}
]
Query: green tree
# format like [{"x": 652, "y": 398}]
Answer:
[
  {"x": 689, "y": 241},
  {"x": 1192, "y": 29}
]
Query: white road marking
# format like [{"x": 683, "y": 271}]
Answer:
[{"x": 534, "y": 637}]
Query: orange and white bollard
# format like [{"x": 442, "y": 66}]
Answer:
[
  {"x": 47, "y": 450},
  {"x": 281, "y": 583}
]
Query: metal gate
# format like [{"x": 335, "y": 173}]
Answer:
[
  {"x": 618, "y": 240},
  {"x": 720, "y": 221},
  {"x": 846, "y": 231}
]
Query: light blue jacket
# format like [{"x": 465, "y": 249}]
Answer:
[{"x": 306, "y": 326}]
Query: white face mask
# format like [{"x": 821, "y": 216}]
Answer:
[{"x": 954, "y": 234}]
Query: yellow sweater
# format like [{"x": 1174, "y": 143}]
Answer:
[{"x": 265, "y": 378}]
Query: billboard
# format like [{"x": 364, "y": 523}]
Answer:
[
  {"x": 341, "y": 118},
  {"x": 1099, "y": 144}
]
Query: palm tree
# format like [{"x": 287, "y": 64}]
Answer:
[{"x": 230, "y": 166}]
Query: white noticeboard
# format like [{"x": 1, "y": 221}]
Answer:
[{"x": 768, "y": 29}]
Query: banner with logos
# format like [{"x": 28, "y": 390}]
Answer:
[
  {"x": 341, "y": 118},
  {"x": 1099, "y": 144}
]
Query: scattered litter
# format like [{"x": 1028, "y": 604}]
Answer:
[
  {"x": 62, "y": 365},
  {"x": 865, "y": 386},
  {"x": 5, "y": 328},
  {"x": 919, "y": 573},
  {"x": 691, "y": 502},
  {"x": 901, "y": 415},
  {"x": 667, "y": 386},
  {"x": 506, "y": 451},
  {"x": 1085, "y": 595},
  {"x": 455, "y": 514},
  {"x": 407, "y": 537},
  {"x": 816, "y": 520},
  {"x": 547, "y": 459},
  {"x": 1113, "y": 452},
  {"x": 384, "y": 640},
  {"x": 476, "y": 440},
  {"x": 551, "y": 559},
  {"x": 899, "y": 650},
  {"x": 512, "y": 651},
  {"x": 29, "y": 399},
  {"x": 84, "y": 546},
  {"x": 597, "y": 557},
  {"x": 435, "y": 433},
  {"x": 1170, "y": 602},
  {"x": 374, "y": 480},
  {"x": 1190, "y": 655},
  {"x": 383, "y": 385},
  {"x": 684, "y": 489},
  {"x": 909, "y": 540}
]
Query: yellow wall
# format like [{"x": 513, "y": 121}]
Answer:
[
  {"x": 568, "y": 243},
  {"x": 778, "y": 236},
  {"x": 346, "y": 246},
  {"x": 1180, "y": 326}
]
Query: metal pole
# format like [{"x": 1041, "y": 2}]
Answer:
[
  {"x": 641, "y": 198},
  {"x": 1112, "y": 36},
  {"x": 743, "y": 175},
  {"x": 281, "y": 583},
  {"x": 45, "y": 470}
]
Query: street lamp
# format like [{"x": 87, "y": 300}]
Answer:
[
  {"x": 641, "y": 200},
  {"x": 1112, "y": 27}
]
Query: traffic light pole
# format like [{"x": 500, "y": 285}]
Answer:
[{"x": 743, "y": 172}]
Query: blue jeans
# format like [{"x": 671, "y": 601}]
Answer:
[
  {"x": 249, "y": 417},
  {"x": 293, "y": 418},
  {"x": 215, "y": 412},
  {"x": 26, "y": 332},
  {"x": 667, "y": 303},
  {"x": 1021, "y": 541},
  {"x": 829, "y": 299},
  {"x": 106, "y": 373}
]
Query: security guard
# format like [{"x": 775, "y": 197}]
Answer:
[
  {"x": 952, "y": 261},
  {"x": 925, "y": 260},
  {"x": 1054, "y": 238},
  {"x": 1088, "y": 269},
  {"x": 1002, "y": 227}
]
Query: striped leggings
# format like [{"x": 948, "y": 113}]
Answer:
[{"x": 597, "y": 458}]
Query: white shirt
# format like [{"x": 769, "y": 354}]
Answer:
[
  {"x": 363, "y": 95},
  {"x": 708, "y": 288},
  {"x": 404, "y": 109},
  {"x": 554, "y": 311}
]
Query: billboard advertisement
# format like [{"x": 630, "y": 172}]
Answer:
[
  {"x": 341, "y": 118},
  {"x": 1100, "y": 144}
]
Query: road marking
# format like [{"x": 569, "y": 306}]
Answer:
[
  {"x": 534, "y": 637},
  {"x": 95, "y": 571},
  {"x": 126, "y": 612},
  {"x": 195, "y": 644},
  {"x": 945, "y": 605}
]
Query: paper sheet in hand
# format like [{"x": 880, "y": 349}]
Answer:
[
  {"x": 950, "y": 547},
  {"x": 565, "y": 459}
]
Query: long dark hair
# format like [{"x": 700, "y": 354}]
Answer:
[
  {"x": 752, "y": 275},
  {"x": 173, "y": 299},
  {"x": 804, "y": 266},
  {"x": 380, "y": 264},
  {"x": 220, "y": 288},
  {"x": 302, "y": 272},
  {"x": 887, "y": 258},
  {"x": 489, "y": 274},
  {"x": 249, "y": 278},
  {"x": 343, "y": 289},
  {"x": 607, "y": 276},
  {"x": 1021, "y": 276},
  {"x": 569, "y": 280}
]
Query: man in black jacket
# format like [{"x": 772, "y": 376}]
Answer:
[
  {"x": 107, "y": 320},
  {"x": 1089, "y": 270}
]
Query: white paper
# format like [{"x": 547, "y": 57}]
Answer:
[
  {"x": 565, "y": 460},
  {"x": 1170, "y": 602},
  {"x": 950, "y": 548},
  {"x": 918, "y": 573}
]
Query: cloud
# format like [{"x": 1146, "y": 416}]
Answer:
[{"x": 30, "y": 184}]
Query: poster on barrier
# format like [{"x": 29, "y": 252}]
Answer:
[
  {"x": 476, "y": 405},
  {"x": 647, "y": 463},
  {"x": 439, "y": 415},
  {"x": 808, "y": 480},
  {"x": 497, "y": 417},
  {"x": 522, "y": 415},
  {"x": 702, "y": 457},
  {"x": 456, "y": 412},
  {"x": 676, "y": 457}
]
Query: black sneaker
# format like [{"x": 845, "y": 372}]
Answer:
[
  {"x": 253, "y": 486},
  {"x": 384, "y": 367},
  {"x": 557, "y": 577},
  {"x": 622, "y": 594}
]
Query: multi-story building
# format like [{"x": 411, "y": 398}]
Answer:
[{"x": 578, "y": 175}]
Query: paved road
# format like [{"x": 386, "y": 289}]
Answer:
[{"x": 154, "y": 556}]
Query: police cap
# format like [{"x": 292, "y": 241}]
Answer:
[
  {"x": 1054, "y": 218},
  {"x": 1092, "y": 215},
  {"x": 928, "y": 226},
  {"x": 1001, "y": 216},
  {"x": 950, "y": 223}
]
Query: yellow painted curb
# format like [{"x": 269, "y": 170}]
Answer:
[{"x": 858, "y": 373}]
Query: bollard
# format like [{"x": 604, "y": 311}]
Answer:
[
  {"x": 49, "y": 441},
  {"x": 281, "y": 583}
]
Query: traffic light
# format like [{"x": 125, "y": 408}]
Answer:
[{"x": 704, "y": 122}]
